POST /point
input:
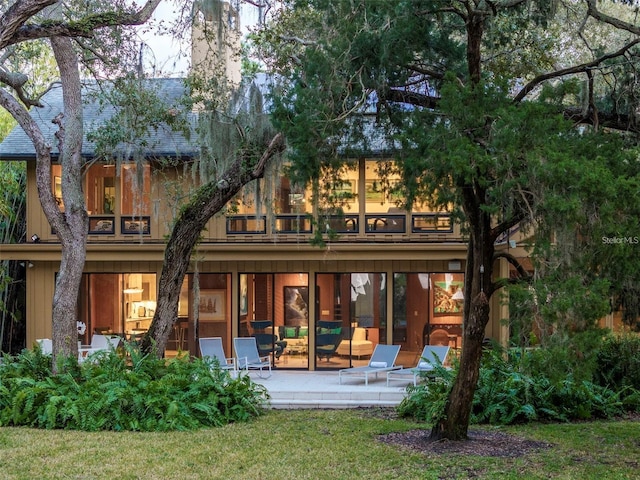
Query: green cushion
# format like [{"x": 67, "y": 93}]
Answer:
[
  {"x": 303, "y": 332},
  {"x": 330, "y": 330},
  {"x": 290, "y": 332}
]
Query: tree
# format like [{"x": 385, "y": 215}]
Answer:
[
  {"x": 12, "y": 229},
  {"x": 479, "y": 129},
  {"x": 233, "y": 131},
  {"x": 73, "y": 30}
]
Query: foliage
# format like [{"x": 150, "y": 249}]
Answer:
[
  {"x": 562, "y": 354},
  {"x": 513, "y": 390},
  {"x": 618, "y": 367},
  {"x": 481, "y": 136},
  {"x": 12, "y": 230},
  {"x": 114, "y": 391},
  {"x": 556, "y": 383},
  {"x": 426, "y": 401}
]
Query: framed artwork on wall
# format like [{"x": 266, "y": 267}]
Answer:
[
  {"x": 447, "y": 297},
  {"x": 296, "y": 306},
  {"x": 212, "y": 306},
  {"x": 372, "y": 192},
  {"x": 244, "y": 299}
]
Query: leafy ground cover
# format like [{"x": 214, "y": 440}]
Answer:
[{"x": 327, "y": 444}]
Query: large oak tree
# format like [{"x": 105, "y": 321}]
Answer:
[
  {"x": 75, "y": 31},
  {"x": 482, "y": 96}
]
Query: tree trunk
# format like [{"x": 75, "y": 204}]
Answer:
[
  {"x": 71, "y": 228},
  {"x": 454, "y": 421},
  {"x": 208, "y": 201}
]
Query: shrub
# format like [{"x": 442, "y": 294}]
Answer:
[
  {"x": 124, "y": 392},
  {"x": 426, "y": 401},
  {"x": 519, "y": 388},
  {"x": 618, "y": 362}
]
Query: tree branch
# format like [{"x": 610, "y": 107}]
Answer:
[
  {"x": 572, "y": 70},
  {"x": 411, "y": 98},
  {"x": 83, "y": 27},
  {"x": 592, "y": 10},
  {"x": 16, "y": 15},
  {"x": 277, "y": 145},
  {"x": 17, "y": 80}
]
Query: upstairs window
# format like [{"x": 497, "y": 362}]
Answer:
[
  {"x": 136, "y": 190},
  {"x": 100, "y": 191}
]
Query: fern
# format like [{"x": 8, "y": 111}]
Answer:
[{"x": 124, "y": 392}]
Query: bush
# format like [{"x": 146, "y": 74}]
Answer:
[
  {"x": 520, "y": 388},
  {"x": 123, "y": 392},
  {"x": 618, "y": 363},
  {"x": 426, "y": 401}
]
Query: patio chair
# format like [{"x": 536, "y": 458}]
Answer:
[
  {"x": 383, "y": 359},
  {"x": 248, "y": 357},
  {"x": 328, "y": 337},
  {"x": 99, "y": 343},
  {"x": 212, "y": 351},
  {"x": 267, "y": 339},
  {"x": 431, "y": 355},
  {"x": 46, "y": 345},
  {"x": 267, "y": 344}
]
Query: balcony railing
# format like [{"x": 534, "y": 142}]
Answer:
[
  {"x": 292, "y": 224},
  {"x": 378, "y": 223},
  {"x": 431, "y": 223},
  {"x": 247, "y": 224},
  {"x": 381, "y": 223}
]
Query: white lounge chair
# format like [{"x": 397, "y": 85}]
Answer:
[
  {"x": 383, "y": 359},
  {"x": 46, "y": 345},
  {"x": 248, "y": 358},
  {"x": 212, "y": 350},
  {"x": 99, "y": 343},
  {"x": 431, "y": 355}
]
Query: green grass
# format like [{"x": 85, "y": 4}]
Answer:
[{"x": 311, "y": 444}]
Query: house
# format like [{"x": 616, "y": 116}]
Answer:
[{"x": 394, "y": 274}]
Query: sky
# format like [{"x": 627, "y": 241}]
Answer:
[{"x": 163, "y": 50}]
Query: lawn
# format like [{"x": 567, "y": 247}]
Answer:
[{"x": 313, "y": 444}]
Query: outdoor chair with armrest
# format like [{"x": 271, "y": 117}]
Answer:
[
  {"x": 383, "y": 359},
  {"x": 99, "y": 343},
  {"x": 248, "y": 358},
  {"x": 431, "y": 355},
  {"x": 212, "y": 351}
]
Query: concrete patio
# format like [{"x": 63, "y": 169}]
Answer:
[{"x": 291, "y": 389}]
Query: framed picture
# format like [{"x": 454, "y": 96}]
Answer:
[
  {"x": 244, "y": 299},
  {"x": 212, "y": 305},
  {"x": 296, "y": 199},
  {"x": 372, "y": 193},
  {"x": 447, "y": 297},
  {"x": 344, "y": 190},
  {"x": 296, "y": 306},
  {"x": 101, "y": 225},
  {"x": 131, "y": 225}
]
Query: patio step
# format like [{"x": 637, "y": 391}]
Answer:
[{"x": 293, "y": 390}]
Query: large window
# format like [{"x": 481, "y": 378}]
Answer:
[
  {"x": 353, "y": 307},
  {"x": 136, "y": 190},
  {"x": 100, "y": 190},
  {"x": 427, "y": 310},
  {"x": 117, "y": 303},
  {"x": 274, "y": 308}
]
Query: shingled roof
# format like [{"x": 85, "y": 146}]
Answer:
[{"x": 162, "y": 142}]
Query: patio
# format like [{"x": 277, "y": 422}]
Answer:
[{"x": 290, "y": 389}]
